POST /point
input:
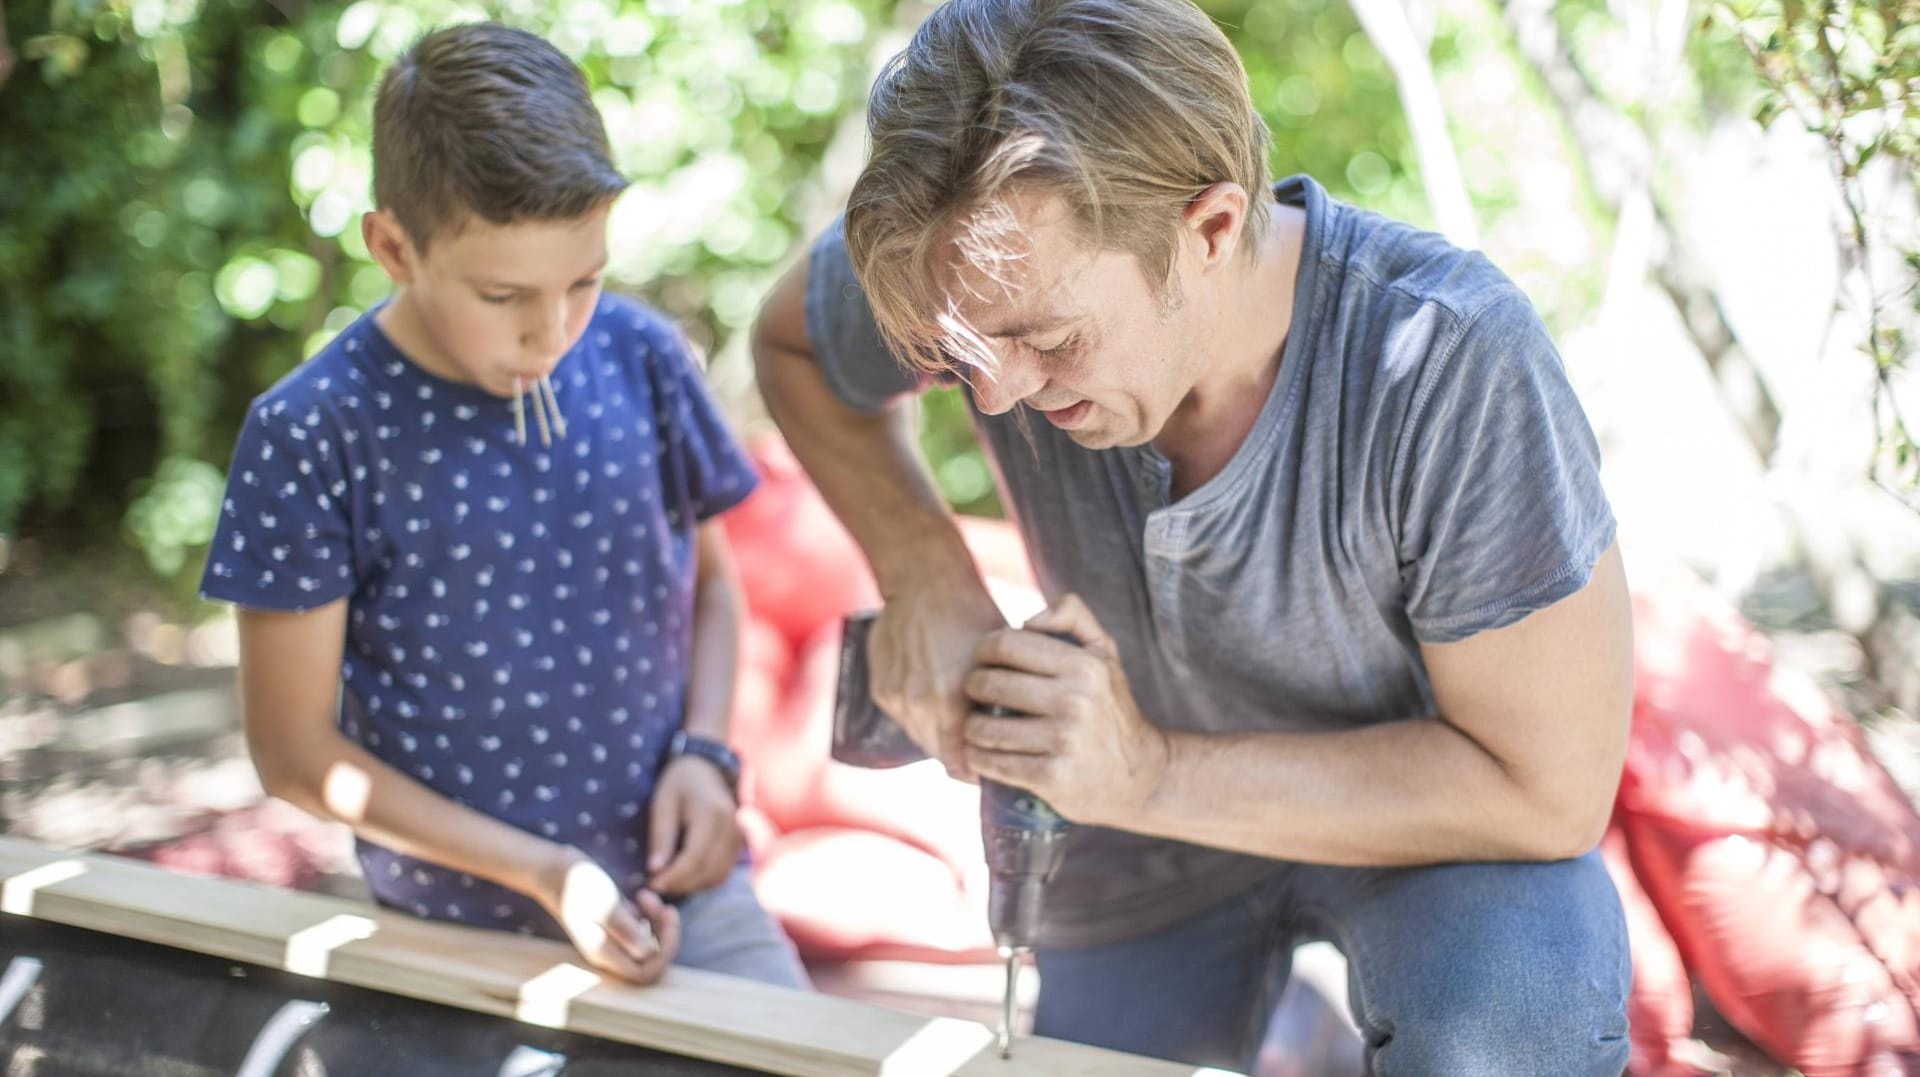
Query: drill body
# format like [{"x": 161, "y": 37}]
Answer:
[
  {"x": 1023, "y": 835},
  {"x": 1024, "y": 838}
]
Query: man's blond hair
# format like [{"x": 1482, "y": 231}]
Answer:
[{"x": 1125, "y": 109}]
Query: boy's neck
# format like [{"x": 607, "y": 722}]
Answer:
[{"x": 404, "y": 330}]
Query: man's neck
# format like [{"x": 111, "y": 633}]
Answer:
[{"x": 1255, "y": 315}]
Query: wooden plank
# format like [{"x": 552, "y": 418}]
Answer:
[{"x": 691, "y": 1013}]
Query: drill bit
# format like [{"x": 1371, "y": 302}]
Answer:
[{"x": 1012, "y": 954}]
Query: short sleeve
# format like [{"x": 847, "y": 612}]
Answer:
[
  {"x": 1503, "y": 512},
  {"x": 854, "y": 358},
  {"x": 702, "y": 461},
  {"x": 284, "y": 539}
]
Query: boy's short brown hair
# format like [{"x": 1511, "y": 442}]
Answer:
[{"x": 490, "y": 120}]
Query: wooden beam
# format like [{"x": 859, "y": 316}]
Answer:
[{"x": 691, "y": 1013}]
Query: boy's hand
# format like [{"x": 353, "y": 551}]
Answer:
[
  {"x": 695, "y": 837},
  {"x": 632, "y": 941}
]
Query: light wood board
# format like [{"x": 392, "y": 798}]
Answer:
[{"x": 691, "y": 1013}]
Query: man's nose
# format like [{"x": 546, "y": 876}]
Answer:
[{"x": 1014, "y": 381}]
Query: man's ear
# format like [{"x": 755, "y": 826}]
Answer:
[
  {"x": 390, "y": 245},
  {"x": 1216, "y": 221}
]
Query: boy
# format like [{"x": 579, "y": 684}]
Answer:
[{"x": 531, "y": 637}]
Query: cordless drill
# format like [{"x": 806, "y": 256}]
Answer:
[{"x": 1023, "y": 835}]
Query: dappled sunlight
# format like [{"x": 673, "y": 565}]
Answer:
[
  {"x": 939, "y": 1047},
  {"x": 1722, "y": 255},
  {"x": 22, "y": 973},
  {"x": 17, "y": 893},
  {"x": 269, "y": 1049},
  {"x": 547, "y": 999},
  {"x": 345, "y": 790},
  {"x": 310, "y": 949}
]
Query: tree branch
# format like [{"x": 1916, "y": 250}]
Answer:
[
  {"x": 1618, "y": 156},
  {"x": 7, "y": 58},
  {"x": 1387, "y": 25}
]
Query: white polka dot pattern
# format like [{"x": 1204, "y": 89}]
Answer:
[{"x": 519, "y": 616}]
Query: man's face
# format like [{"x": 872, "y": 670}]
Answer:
[
  {"x": 1078, "y": 334},
  {"x": 500, "y": 302}
]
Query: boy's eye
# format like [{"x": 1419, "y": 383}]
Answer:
[
  {"x": 591, "y": 282},
  {"x": 497, "y": 300}
]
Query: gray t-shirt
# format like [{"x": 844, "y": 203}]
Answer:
[{"x": 1421, "y": 472}]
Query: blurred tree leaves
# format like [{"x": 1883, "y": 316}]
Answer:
[
  {"x": 1328, "y": 99},
  {"x": 1849, "y": 72},
  {"x": 180, "y": 186}
]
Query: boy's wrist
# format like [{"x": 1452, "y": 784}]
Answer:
[
  {"x": 711, "y": 752},
  {"x": 546, "y": 878}
]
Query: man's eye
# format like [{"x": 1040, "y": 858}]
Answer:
[{"x": 1058, "y": 349}]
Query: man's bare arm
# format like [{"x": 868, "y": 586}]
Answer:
[
  {"x": 867, "y": 466},
  {"x": 1521, "y": 765},
  {"x": 869, "y": 469}
]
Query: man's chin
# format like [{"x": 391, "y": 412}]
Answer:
[{"x": 1100, "y": 437}]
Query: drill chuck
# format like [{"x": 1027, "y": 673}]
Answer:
[{"x": 1024, "y": 838}]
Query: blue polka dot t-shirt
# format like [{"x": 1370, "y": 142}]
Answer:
[{"x": 519, "y": 615}]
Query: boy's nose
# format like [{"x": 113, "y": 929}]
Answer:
[{"x": 547, "y": 335}]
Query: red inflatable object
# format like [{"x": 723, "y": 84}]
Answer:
[
  {"x": 799, "y": 568},
  {"x": 849, "y": 894},
  {"x": 764, "y": 674},
  {"x": 1660, "y": 1007},
  {"x": 802, "y": 571},
  {"x": 1781, "y": 855},
  {"x": 802, "y": 788}
]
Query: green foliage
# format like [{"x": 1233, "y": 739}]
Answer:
[
  {"x": 176, "y": 513},
  {"x": 1850, "y": 72},
  {"x": 180, "y": 184},
  {"x": 1329, "y": 100},
  {"x": 959, "y": 467}
]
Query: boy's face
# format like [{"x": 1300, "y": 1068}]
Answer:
[
  {"x": 488, "y": 303},
  {"x": 1079, "y": 335}
]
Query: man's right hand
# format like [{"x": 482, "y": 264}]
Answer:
[
  {"x": 634, "y": 941},
  {"x": 919, "y": 653},
  {"x": 867, "y": 466}
]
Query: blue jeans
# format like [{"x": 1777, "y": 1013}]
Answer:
[
  {"x": 1457, "y": 970},
  {"x": 726, "y": 930}
]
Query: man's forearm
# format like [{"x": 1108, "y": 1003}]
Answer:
[
  {"x": 1397, "y": 793},
  {"x": 868, "y": 469}
]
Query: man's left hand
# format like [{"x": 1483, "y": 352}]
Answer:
[
  {"x": 694, "y": 831},
  {"x": 1081, "y": 743}
]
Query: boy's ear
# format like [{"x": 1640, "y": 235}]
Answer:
[{"x": 389, "y": 244}]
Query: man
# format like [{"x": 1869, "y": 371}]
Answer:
[{"x": 1311, "y": 492}]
